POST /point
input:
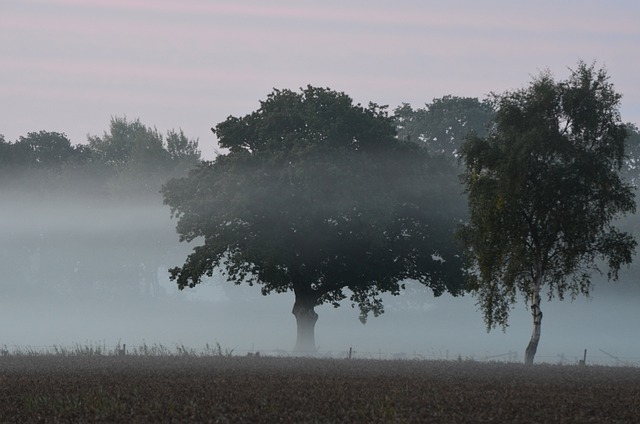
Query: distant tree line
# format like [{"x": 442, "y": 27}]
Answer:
[
  {"x": 129, "y": 157},
  {"x": 87, "y": 219}
]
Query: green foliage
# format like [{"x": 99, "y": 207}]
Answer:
[
  {"x": 42, "y": 161},
  {"x": 46, "y": 149},
  {"x": 139, "y": 159},
  {"x": 544, "y": 191},
  {"x": 128, "y": 143},
  {"x": 442, "y": 125},
  {"x": 5, "y": 149},
  {"x": 318, "y": 196},
  {"x": 41, "y": 150},
  {"x": 130, "y": 158},
  {"x": 181, "y": 148},
  {"x": 631, "y": 168}
]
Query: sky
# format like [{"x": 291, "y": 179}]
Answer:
[{"x": 70, "y": 65}]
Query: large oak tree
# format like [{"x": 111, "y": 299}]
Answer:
[
  {"x": 544, "y": 191},
  {"x": 316, "y": 195}
]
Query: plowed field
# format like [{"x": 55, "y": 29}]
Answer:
[{"x": 271, "y": 390}]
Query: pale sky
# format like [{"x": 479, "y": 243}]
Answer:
[{"x": 69, "y": 65}]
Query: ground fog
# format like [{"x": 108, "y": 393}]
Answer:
[{"x": 89, "y": 271}]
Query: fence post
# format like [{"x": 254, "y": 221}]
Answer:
[{"x": 583, "y": 361}]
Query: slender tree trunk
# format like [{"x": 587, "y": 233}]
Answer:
[
  {"x": 306, "y": 317},
  {"x": 536, "y": 314}
]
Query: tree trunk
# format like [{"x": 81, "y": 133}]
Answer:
[
  {"x": 536, "y": 313},
  {"x": 306, "y": 317}
]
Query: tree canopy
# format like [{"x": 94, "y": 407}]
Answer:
[
  {"x": 544, "y": 190},
  {"x": 442, "y": 125},
  {"x": 318, "y": 196},
  {"x": 139, "y": 158}
]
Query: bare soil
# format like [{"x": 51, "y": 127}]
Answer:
[{"x": 215, "y": 389}]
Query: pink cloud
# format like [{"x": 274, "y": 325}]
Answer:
[{"x": 512, "y": 16}]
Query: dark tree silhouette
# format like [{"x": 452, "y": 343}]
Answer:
[{"x": 317, "y": 196}]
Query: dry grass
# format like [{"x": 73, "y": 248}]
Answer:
[{"x": 99, "y": 388}]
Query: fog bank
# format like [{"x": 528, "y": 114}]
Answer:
[{"x": 81, "y": 270}]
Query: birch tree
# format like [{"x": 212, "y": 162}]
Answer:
[{"x": 544, "y": 191}]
